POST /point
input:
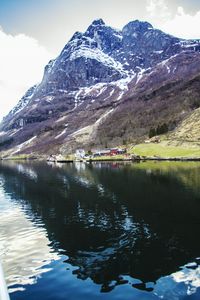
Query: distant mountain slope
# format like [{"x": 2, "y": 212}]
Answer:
[
  {"x": 166, "y": 95},
  {"x": 106, "y": 87},
  {"x": 189, "y": 129}
]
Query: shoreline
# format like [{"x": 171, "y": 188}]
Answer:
[{"x": 134, "y": 159}]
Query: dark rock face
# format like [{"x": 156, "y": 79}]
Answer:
[
  {"x": 104, "y": 54},
  {"x": 95, "y": 73}
]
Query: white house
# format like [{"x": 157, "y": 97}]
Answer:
[{"x": 80, "y": 153}]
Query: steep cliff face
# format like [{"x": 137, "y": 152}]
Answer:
[{"x": 106, "y": 86}]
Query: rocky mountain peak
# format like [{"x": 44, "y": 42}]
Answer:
[
  {"x": 136, "y": 26},
  {"x": 98, "y": 22},
  {"x": 76, "y": 35},
  {"x": 95, "y": 26}
]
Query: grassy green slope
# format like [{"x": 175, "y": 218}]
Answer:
[{"x": 164, "y": 150}]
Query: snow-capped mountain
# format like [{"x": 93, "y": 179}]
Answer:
[
  {"x": 96, "y": 72},
  {"x": 103, "y": 54},
  {"x": 24, "y": 101}
]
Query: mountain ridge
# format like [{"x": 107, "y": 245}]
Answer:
[{"x": 96, "y": 72}]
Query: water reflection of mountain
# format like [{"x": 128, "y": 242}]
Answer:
[{"x": 112, "y": 220}]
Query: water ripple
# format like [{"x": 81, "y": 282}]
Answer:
[{"x": 24, "y": 247}]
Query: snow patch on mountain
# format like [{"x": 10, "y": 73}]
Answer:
[
  {"x": 23, "y": 145},
  {"x": 123, "y": 83},
  {"x": 95, "y": 91},
  {"x": 62, "y": 133},
  {"x": 24, "y": 101},
  {"x": 103, "y": 117},
  {"x": 140, "y": 74},
  {"x": 100, "y": 56}
]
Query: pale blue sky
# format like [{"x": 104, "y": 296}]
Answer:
[{"x": 53, "y": 22}]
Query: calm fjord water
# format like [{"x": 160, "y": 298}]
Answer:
[{"x": 100, "y": 231}]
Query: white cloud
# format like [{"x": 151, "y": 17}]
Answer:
[
  {"x": 183, "y": 25},
  {"x": 158, "y": 10},
  {"x": 22, "y": 62}
]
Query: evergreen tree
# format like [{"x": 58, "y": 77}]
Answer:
[
  {"x": 152, "y": 132},
  {"x": 161, "y": 129}
]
